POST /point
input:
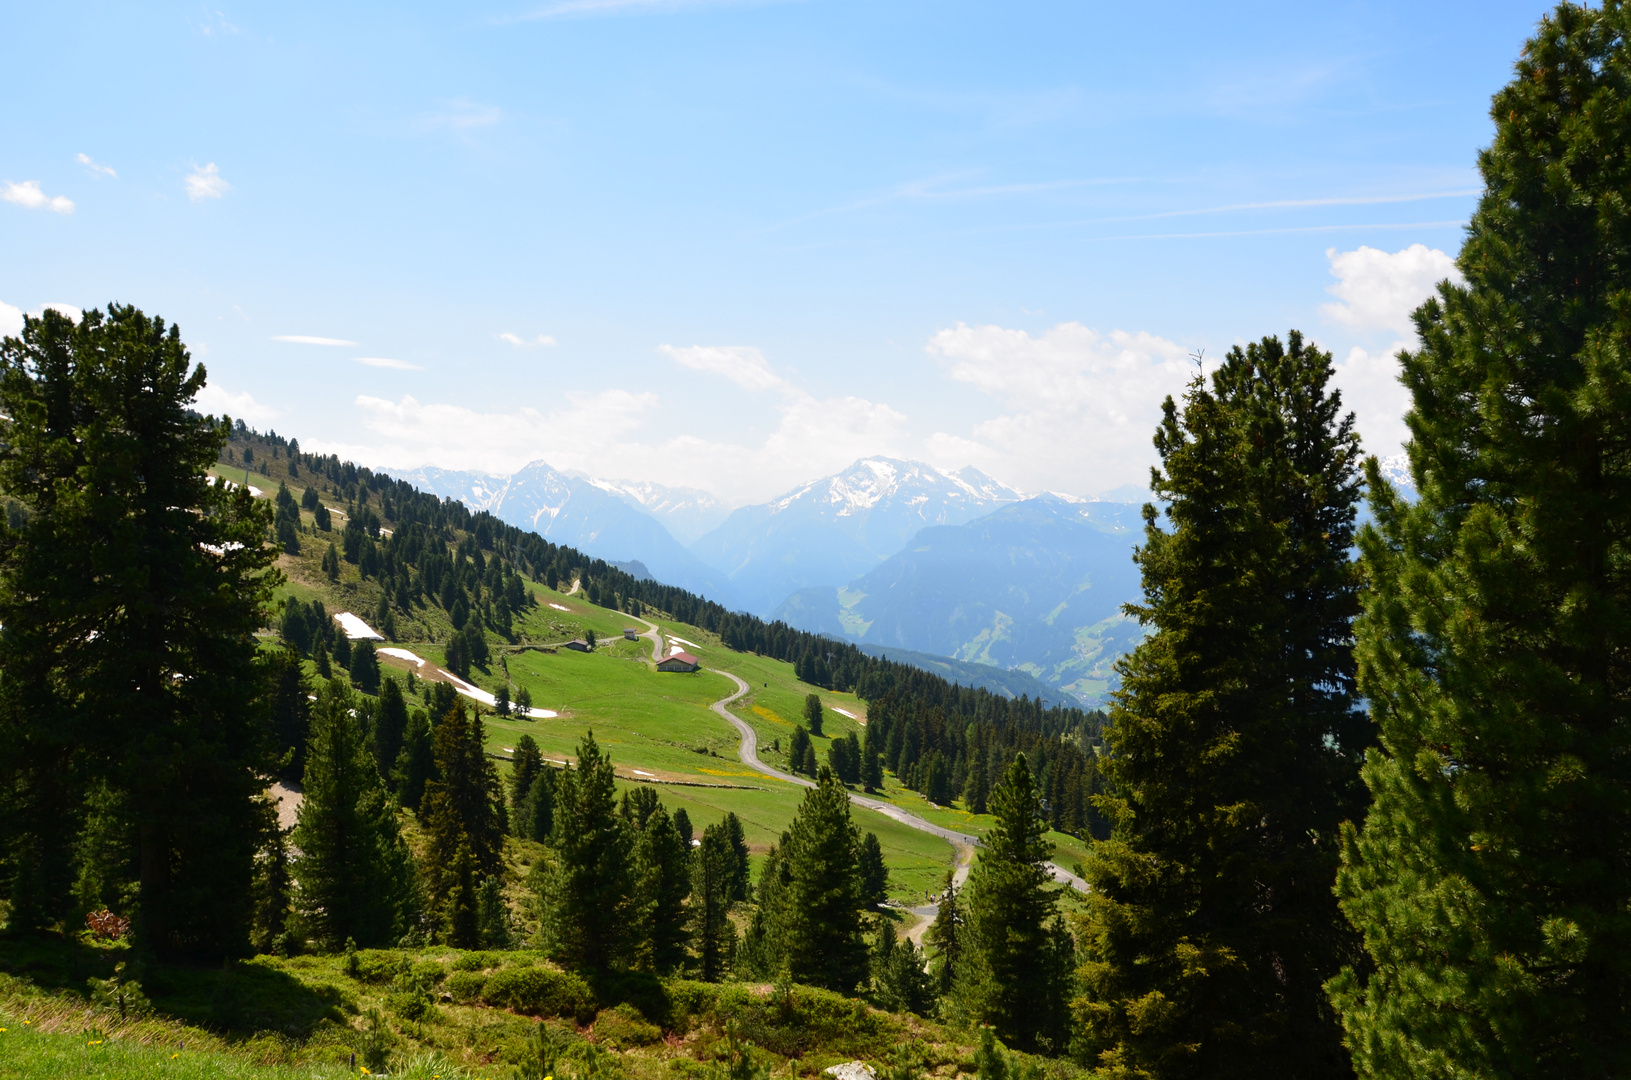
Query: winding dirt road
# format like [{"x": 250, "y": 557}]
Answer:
[{"x": 749, "y": 755}]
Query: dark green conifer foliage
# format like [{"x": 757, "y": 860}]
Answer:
[
  {"x": 1008, "y": 975},
  {"x": 365, "y": 667},
  {"x": 662, "y": 883},
  {"x": 354, "y": 870},
  {"x": 124, "y": 535},
  {"x": 713, "y": 865},
  {"x": 586, "y": 892},
  {"x": 638, "y": 805},
  {"x": 1491, "y": 875},
  {"x": 290, "y": 703},
  {"x": 535, "y": 818},
  {"x": 800, "y": 750},
  {"x": 682, "y": 824},
  {"x": 390, "y": 726},
  {"x": 874, "y": 872},
  {"x": 1234, "y": 743},
  {"x": 812, "y": 712},
  {"x": 461, "y": 815},
  {"x": 416, "y": 764},
  {"x": 493, "y": 916},
  {"x": 899, "y": 982},
  {"x": 525, "y": 766},
  {"x": 740, "y": 880},
  {"x": 816, "y": 918},
  {"x": 272, "y": 896},
  {"x": 944, "y": 936}
]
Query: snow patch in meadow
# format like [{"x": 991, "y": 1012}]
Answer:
[
  {"x": 559, "y": 607},
  {"x": 843, "y": 712},
  {"x": 404, "y": 654},
  {"x": 356, "y": 629}
]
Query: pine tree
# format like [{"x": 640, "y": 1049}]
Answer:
[
  {"x": 290, "y": 702},
  {"x": 104, "y": 451},
  {"x": 354, "y": 870},
  {"x": 461, "y": 814},
  {"x": 526, "y": 764},
  {"x": 1491, "y": 874},
  {"x": 536, "y": 815},
  {"x": 817, "y": 915},
  {"x": 740, "y": 880},
  {"x": 662, "y": 883},
  {"x": 1234, "y": 743},
  {"x": 712, "y": 869},
  {"x": 874, "y": 872},
  {"x": 812, "y": 713},
  {"x": 493, "y": 916},
  {"x": 899, "y": 982},
  {"x": 390, "y": 726},
  {"x": 586, "y": 892},
  {"x": 1008, "y": 978},
  {"x": 365, "y": 667},
  {"x": 416, "y": 764},
  {"x": 944, "y": 936},
  {"x": 799, "y": 749},
  {"x": 272, "y": 896}
]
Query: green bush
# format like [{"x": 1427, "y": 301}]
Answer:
[
  {"x": 475, "y": 961},
  {"x": 427, "y": 973},
  {"x": 622, "y": 1027},
  {"x": 540, "y": 991},
  {"x": 465, "y": 986},
  {"x": 377, "y": 965}
]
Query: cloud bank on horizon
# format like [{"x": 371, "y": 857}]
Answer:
[{"x": 1068, "y": 409}]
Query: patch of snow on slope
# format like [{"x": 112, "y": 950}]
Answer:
[{"x": 356, "y": 629}]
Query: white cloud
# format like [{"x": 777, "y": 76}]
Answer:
[
  {"x": 1369, "y": 381},
  {"x": 216, "y": 400},
  {"x": 11, "y": 318},
  {"x": 454, "y": 437},
  {"x": 743, "y": 365},
  {"x": 1079, "y": 407},
  {"x": 387, "y": 362},
  {"x": 28, "y": 194},
  {"x": 307, "y": 339},
  {"x": 94, "y": 167},
  {"x": 542, "y": 341},
  {"x": 1378, "y": 291},
  {"x": 206, "y": 182}
]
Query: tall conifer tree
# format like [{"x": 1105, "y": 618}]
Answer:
[
  {"x": 1010, "y": 975},
  {"x": 354, "y": 870},
  {"x": 586, "y": 892},
  {"x": 1492, "y": 874},
  {"x": 461, "y": 813},
  {"x": 130, "y": 567},
  {"x": 815, "y": 921},
  {"x": 663, "y": 881},
  {"x": 1234, "y": 742}
]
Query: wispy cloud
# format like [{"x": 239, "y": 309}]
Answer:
[
  {"x": 387, "y": 362},
  {"x": 307, "y": 339},
  {"x": 206, "y": 182},
  {"x": 461, "y": 115},
  {"x": 542, "y": 341},
  {"x": 28, "y": 194},
  {"x": 741, "y": 364},
  {"x": 94, "y": 167},
  {"x": 217, "y": 400}
]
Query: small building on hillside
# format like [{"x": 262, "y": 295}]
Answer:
[
  {"x": 629, "y": 635},
  {"x": 578, "y": 645},
  {"x": 680, "y": 661}
]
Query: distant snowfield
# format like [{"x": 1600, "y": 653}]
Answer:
[
  {"x": 559, "y": 607},
  {"x": 230, "y": 484},
  {"x": 404, "y": 654},
  {"x": 356, "y": 629},
  {"x": 672, "y": 639},
  {"x": 844, "y": 712}
]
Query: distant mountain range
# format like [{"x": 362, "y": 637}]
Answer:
[
  {"x": 1035, "y": 586},
  {"x": 833, "y": 530},
  {"x": 970, "y": 576},
  {"x": 611, "y": 520}
]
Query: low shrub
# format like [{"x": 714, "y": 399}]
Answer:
[
  {"x": 465, "y": 986},
  {"x": 378, "y": 965},
  {"x": 538, "y": 991},
  {"x": 622, "y": 1027}
]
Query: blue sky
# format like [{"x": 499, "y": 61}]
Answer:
[{"x": 737, "y": 245}]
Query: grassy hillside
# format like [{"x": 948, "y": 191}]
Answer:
[
  {"x": 434, "y": 1014},
  {"x": 657, "y": 727}
]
